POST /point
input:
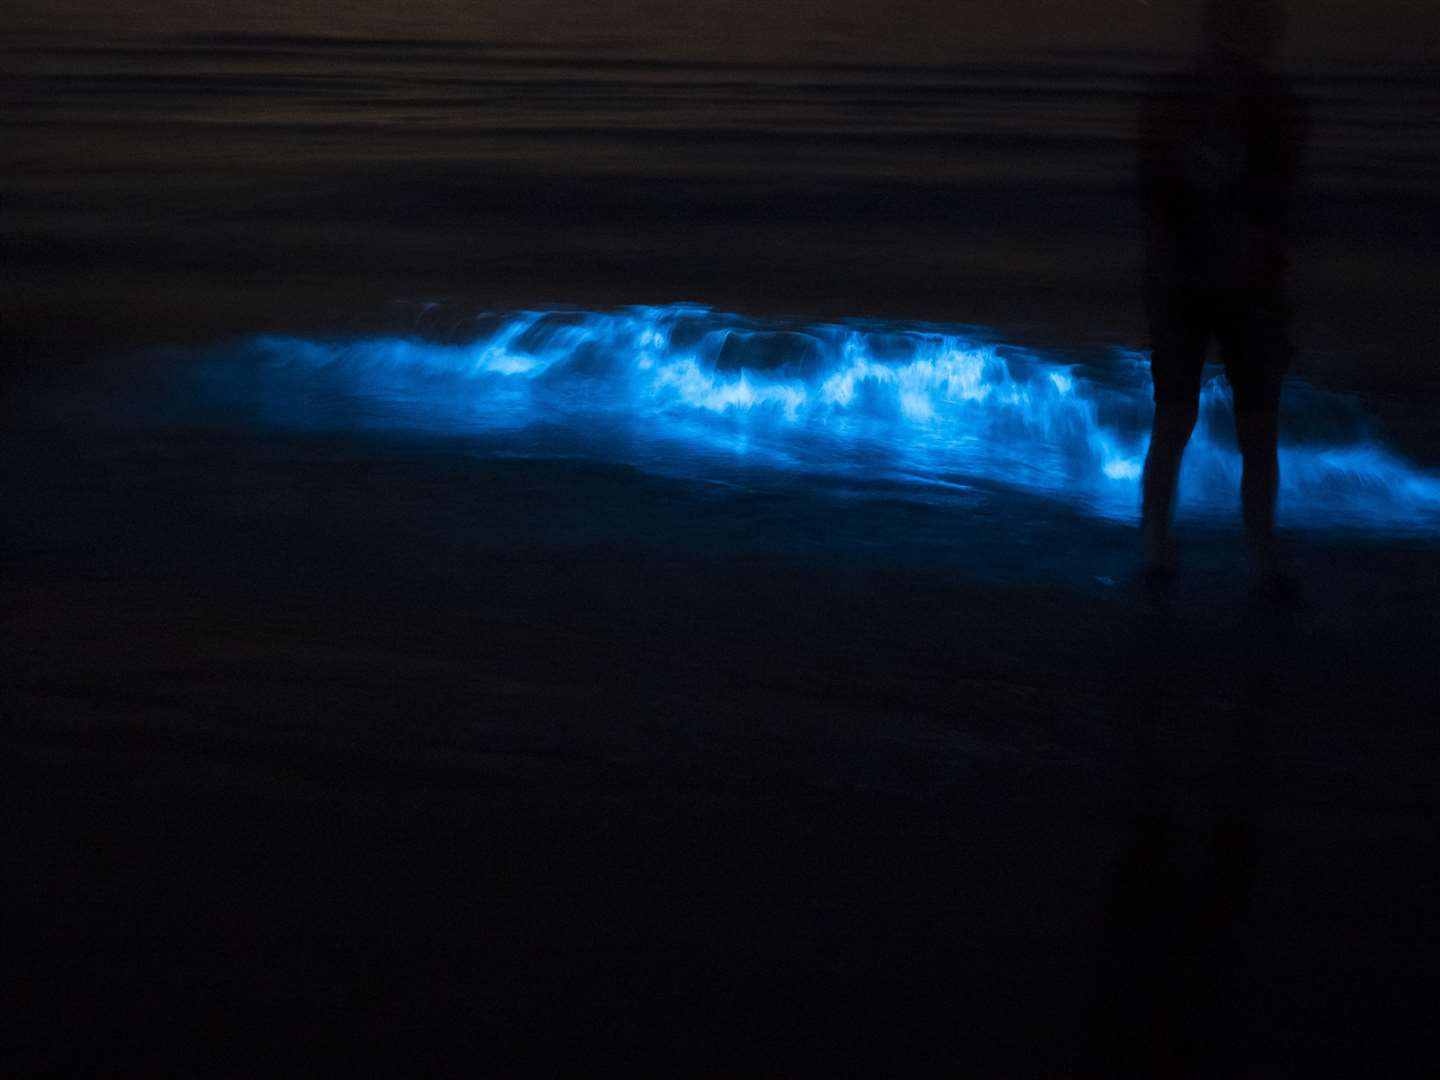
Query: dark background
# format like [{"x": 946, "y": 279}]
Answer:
[{"x": 361, "y": 749}]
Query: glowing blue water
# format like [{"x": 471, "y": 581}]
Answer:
[{"x": 690, "y": 391}]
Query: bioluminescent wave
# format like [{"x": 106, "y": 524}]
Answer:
[{"x": 687, "y": 390}]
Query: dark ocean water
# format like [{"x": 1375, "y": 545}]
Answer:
[{"x": 191, "y": 188}]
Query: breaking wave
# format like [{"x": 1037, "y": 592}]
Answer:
[{"x": 687, "y": 390}]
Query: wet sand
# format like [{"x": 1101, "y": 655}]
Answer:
[{"x": 324, "y": 749}]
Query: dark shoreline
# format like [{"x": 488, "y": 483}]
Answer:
[{"x": 330, "y": 749}]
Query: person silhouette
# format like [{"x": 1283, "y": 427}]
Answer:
[{"x": 1220, "y": 152}]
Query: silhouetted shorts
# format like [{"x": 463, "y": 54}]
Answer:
[{"x": 1252, "y": 328}]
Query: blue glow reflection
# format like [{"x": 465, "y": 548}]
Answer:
[{"x": 687, "y": 390}]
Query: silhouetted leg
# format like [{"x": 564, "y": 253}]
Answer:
[
  {"x": 1258, "y": 434},
  {"x": 1174, "y": 421}
]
